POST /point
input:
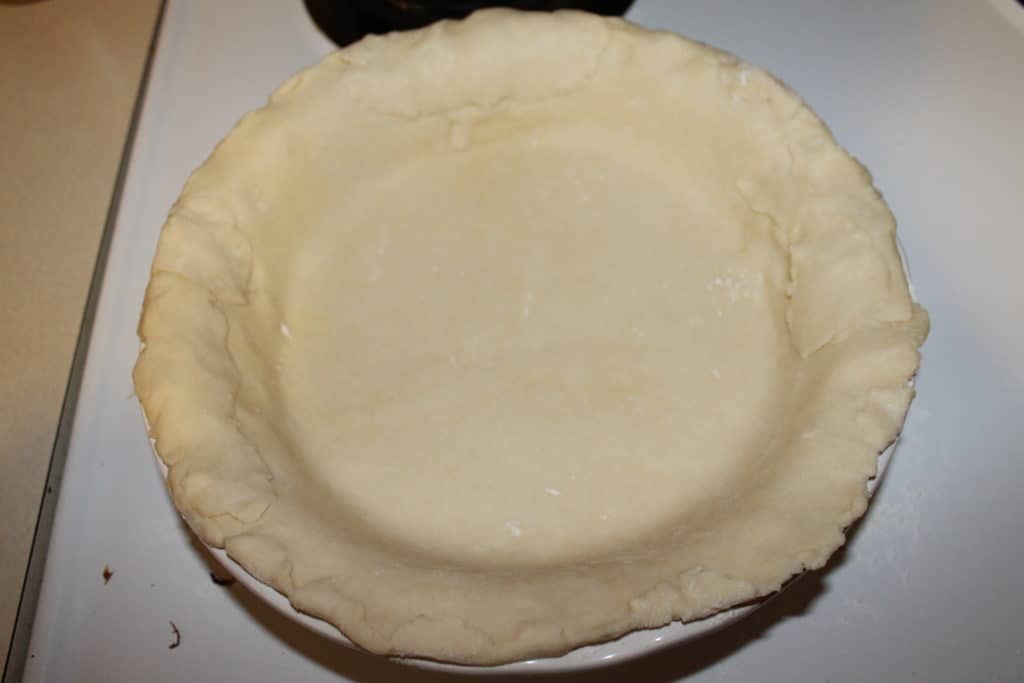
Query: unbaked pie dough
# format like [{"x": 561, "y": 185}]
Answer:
[{"x": 489, "y": 340}]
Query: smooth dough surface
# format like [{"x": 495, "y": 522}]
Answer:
[{"x": 489, "y": 340}]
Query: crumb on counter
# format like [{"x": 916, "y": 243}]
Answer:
[
  {"x": 177, "y": 637},
  {"x": 223, "y": 580}
]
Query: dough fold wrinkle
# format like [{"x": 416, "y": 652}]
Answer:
[{"x": 490, "y": 340}]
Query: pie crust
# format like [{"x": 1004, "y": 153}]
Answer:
[{"x": 508, "y": 335}]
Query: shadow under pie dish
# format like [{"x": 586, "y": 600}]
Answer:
[{"x": 498, "y": 338}]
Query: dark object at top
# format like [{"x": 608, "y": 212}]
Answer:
[{"x": 346, "y": 21}]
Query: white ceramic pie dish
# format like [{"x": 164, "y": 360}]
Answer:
[{"x": 510, "y": 336}]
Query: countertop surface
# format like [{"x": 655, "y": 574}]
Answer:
[{"x": 69, "y": 74}]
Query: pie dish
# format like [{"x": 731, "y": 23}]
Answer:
[{"x": 490, "y": 340}]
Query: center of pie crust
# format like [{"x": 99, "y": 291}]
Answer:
[{"x": 535, "y": 349}]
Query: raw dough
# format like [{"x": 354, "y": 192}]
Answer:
[{"x": 489, "y": 340}]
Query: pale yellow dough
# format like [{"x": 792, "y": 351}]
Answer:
[{"x": 490, "y": 340}]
